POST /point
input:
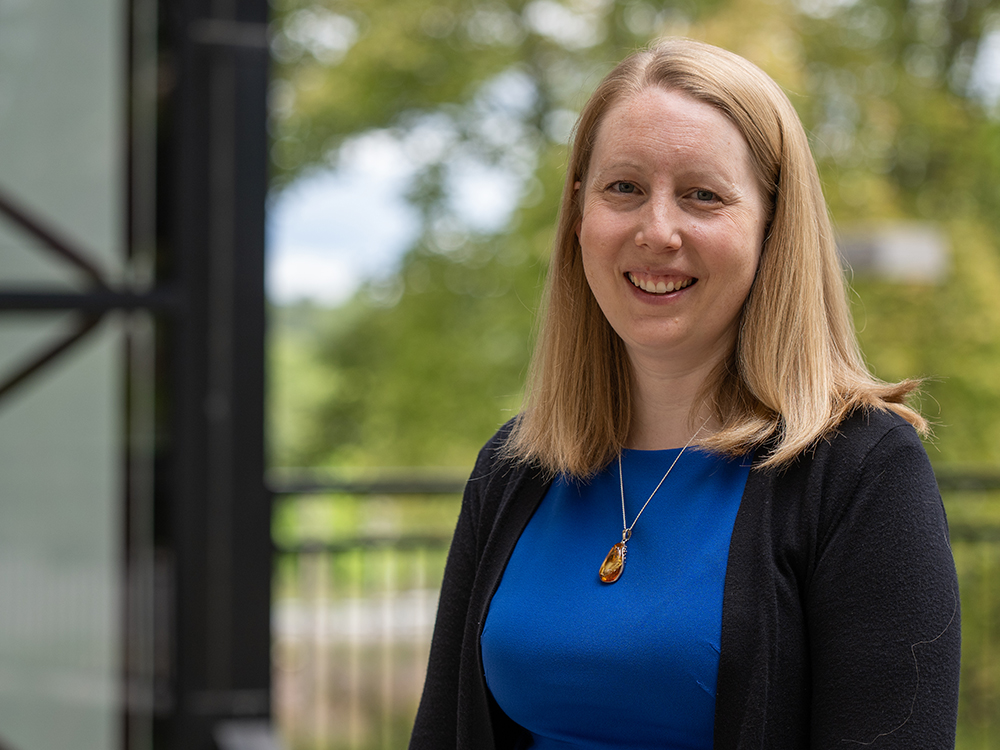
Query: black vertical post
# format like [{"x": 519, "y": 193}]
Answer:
[{"x": 213, "y": 509}]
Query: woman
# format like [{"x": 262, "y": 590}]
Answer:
[{"x": 779, "y": 573}]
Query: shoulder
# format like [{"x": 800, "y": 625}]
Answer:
[
  {"x": 873, "y": 463},
  {"x": 493, "y": 463},
  {"x": 497, "y": 476},
  {"x": 869, "y": 446},
  {"x": 866, "y": 430},
  {"x": 866, "y": 437}
]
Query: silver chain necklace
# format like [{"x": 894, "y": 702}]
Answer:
[{"x": 614, "y": 564}]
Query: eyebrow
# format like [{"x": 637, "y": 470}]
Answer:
[{"x": 693, "y": 173}]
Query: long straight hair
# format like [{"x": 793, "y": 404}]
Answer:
[{"x": 795, "y": 370}]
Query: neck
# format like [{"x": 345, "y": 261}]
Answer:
[{"x": 669, "y": 406}]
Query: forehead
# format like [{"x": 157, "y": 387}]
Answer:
[{"x": 657, "y": 122}]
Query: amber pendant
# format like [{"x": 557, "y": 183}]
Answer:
[{"x": 614, "y": 564}]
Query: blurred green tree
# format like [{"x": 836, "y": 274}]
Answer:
[{"x": 419, "y": 368}]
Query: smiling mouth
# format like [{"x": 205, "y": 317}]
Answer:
[{"x": 659, "y": 287}]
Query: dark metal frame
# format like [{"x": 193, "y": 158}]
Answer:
[
  {"x": 211, "y": 527},
  {"x": 215, "y": 522}
]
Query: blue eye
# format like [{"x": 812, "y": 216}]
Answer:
[
  {"x": 705, "y": 195},
  {"x": 626, "y": 188}
]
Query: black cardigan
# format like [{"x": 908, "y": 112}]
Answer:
[{"x": 840, "y": 617}]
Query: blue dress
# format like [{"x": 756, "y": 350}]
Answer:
[{"x": 588, "y": 665}]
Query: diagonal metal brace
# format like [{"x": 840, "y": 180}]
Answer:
[
  {"x": 84, "y": 326},
  {"x": 51, "y": 239}
]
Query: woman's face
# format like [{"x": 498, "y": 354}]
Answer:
[{"x": 672, "y": 226}]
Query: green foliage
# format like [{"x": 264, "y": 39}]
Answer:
[
  {"x": 453, "y": 327},
  {"x": 342, "y": 518},
  {"x": 298, "y": 381},
  {"x": 947, "y": 333},
  {"x": 419, "y": 368}
]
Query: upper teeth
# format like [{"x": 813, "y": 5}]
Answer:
[{"x": 659, "y": 287}]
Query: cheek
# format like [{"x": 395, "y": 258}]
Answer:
[
  {"x": 589, "y": 252},
  {"x": 748, "y": 271},
  {"x": 752, "y": 261},
  {"x": 589, "y": 267},
  {"x": 585, "y": 231},
  {"x": 747, "y": 255},
  {"x": 600, "y": 235},
  {"x": 595, "y": 271}
]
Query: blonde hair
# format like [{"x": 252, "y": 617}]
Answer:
[{"x": 796, "y": 369}]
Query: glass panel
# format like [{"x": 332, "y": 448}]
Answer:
[
  {"x": 62, "y": 446},
  {"x": 61, "y": 94},
  {"x": 60, "y": 480}
]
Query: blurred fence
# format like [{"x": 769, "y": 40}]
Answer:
[
  {"x": 973, "y": 505},
  {"x": 354, "y": 607}
]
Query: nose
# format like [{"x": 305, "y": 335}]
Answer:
[{"x": 660, "y": 226}]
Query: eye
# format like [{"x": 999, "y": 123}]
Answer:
[
  {"x": 706, "y": 196},
  {"x": 623, "y": 188}
]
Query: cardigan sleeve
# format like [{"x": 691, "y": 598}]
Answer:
[
  {"x": 881, "y": 605},
  {"x": 436, "y": 724},
  {"x": 456, "y": 709}
]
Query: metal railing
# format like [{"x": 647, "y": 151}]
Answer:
[
  {"x": 355, "y": 596},
  {"x": 354, "y": 610}
]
